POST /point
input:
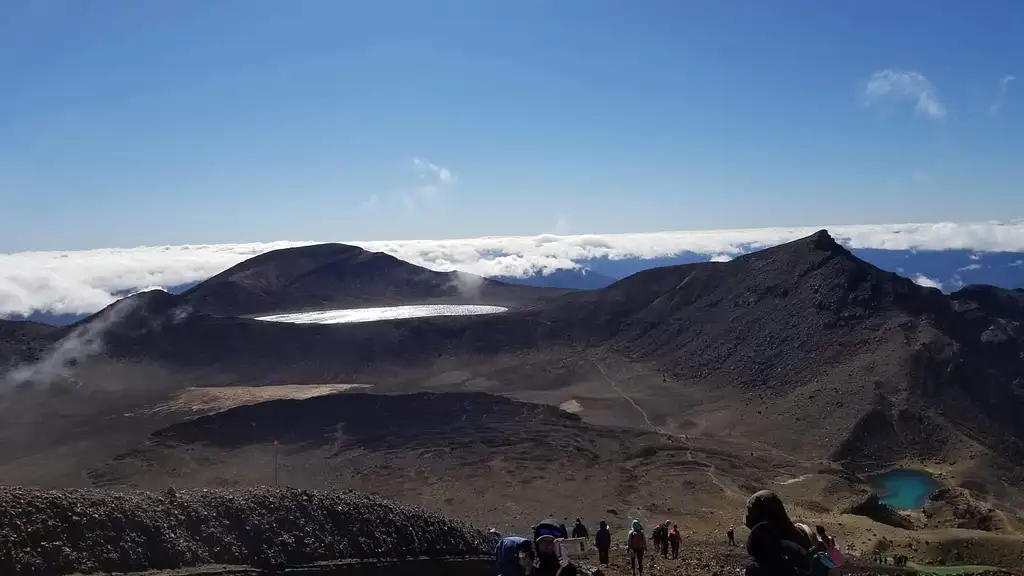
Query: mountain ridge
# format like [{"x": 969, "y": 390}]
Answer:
[
  {"x": 785, "y": 335},
  {"x": 340, "y": 275}
]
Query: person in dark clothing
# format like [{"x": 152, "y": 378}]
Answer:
[
  {"x": 579, "y": 530},
  {"x": 772, "y": 556},
  {"x": 603, "y": 542},
  {"x": 514, "y": 556},
  {"x": 766, "y": 506},
  {"x": 546, "y": 536},
  {"x": 731, "y": 534},
  {"x": 664, "y": 539},
  {"x": 674, "y": 540},
  {"x": 658, "y": 536}
]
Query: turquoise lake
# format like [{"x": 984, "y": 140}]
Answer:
[{"x": 904, "y": 489}]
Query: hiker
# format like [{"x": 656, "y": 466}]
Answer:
[
  {"x": 827, "y": 544},
  {"x": 636, "y": 542},
  {"x": 603, "y": 542},
  {"x": 797, "y": 540},
  {"x": 664, "y": 539},
  {"x": 731, "y": 535},
  {"x": 771, "y": 555},
  {"x": 822, "y": 540},
  {"x": 579, "y": 530},
  {"x": 766, "y": 506},
  {"x": 659, "y": 536},
  {"x": 546, "y": 536},
  {"x": 674, "y": 539},
  {"x": 514, "y": 556}
]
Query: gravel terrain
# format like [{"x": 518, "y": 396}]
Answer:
[{"x": 88, "y": 531}]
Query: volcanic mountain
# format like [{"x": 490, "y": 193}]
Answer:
[
  {"x": 326, "y": 276},
  {"x": 868, "y": 362},
  {"x": 800, "y": 359}
]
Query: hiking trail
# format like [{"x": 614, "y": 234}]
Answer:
[{"x": 689, "y": 454}]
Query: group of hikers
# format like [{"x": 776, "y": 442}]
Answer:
[
  {"x": 776, "y": 545},
  {"x": 897, "y": 560},
  {"x": 539, "y": 556}
]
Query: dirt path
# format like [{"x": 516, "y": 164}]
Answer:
[
  {"x": 689, "y": 454},
  {"x": 626, "y": 397}
]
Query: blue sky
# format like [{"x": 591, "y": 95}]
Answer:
[{"x": 155, "y": 122}]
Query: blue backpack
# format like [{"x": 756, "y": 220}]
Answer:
[{"x": 821, "y": 564}]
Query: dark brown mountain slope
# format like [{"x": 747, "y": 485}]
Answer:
[
  {"x": 828, "y": 344},
  {"x": 803, "y": 345},
  {"x": 516, "y": 458},
  {"x": 21, "y": 341},
  {"x": 342, "y": 276}
]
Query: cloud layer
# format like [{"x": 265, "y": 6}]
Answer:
[
  {"x": 85, "y": 281},
  {"x": 905, "y": 86}
]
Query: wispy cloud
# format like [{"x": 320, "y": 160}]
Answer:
[
  {"x": 1000, "y": 98},
  {"x": 431, "y": 182},
  {"x": 905, "y": 86},
  {"x": 434, "y": 180},
  {"x": 922, "y": 280},
  {"x": 427, "y": 168},
  {"x": 85, "y": 281}
]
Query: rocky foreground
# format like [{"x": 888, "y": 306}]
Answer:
[{"x": 83, "y": 531}]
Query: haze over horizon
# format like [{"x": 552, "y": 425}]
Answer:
[{"x": 196, "y": 123}]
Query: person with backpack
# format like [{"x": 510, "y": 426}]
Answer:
[
  {"x": 731, "y": 535},
  {"x": 636, "y": 542},
  {"x": 664, "y": 539},
  {"x": 658, "y": 536},
  {"x": 675, "y": 539},
  {"x": 603, "y": 542},
  {"x": 827, "y": 544},
  {"x": 579, "y": 530},
  {"x": 514, "y": 556}
]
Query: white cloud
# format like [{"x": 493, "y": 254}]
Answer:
[
  {"x": 428, "y": 169},
  {"x": 996, "y": 105},
  {"x": 905, "y": 85},
  {"x": 927, "y": 282},
  {"x": 85, "y": 281},
  {"x": 433, "y": 180}
]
